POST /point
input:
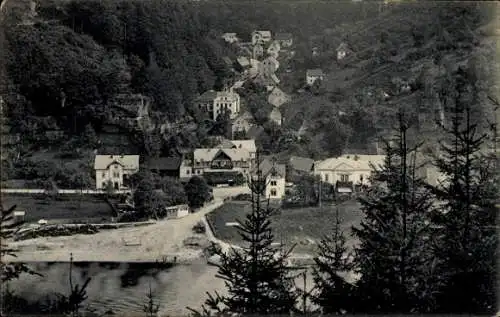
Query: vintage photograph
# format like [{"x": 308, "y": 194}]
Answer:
[{"x": 165, "y": 158}]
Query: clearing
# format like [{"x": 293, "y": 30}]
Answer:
[{"x": 301, "y": 226}]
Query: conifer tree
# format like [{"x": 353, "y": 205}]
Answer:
[
  {"x": 392, "y": 256},
  {"x": 335, "y": 295},
  {"x": 257, "y": 281},
  {"x": 465, "y": 224}
]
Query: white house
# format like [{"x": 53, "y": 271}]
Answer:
[
  {"x": 274, "y": 49},
  {"x": 342, "y": 51},
  {"x": 230, "y": 37},
  {"x": 274, "y": 175},
  {"x": 217, "y": 102},
  {"x": 314, "y": 74},
  {"x": 261, "y": 37},
  {"x": 115, "y": 169},
  {"x": 275, "y": 116},
  {"x": 348, "y": 168}
]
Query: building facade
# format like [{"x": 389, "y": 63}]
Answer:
[
  {"x": 261, "y": 37},
  {"x": 114, "y": 169},
  {"x": 274, "y": 176},
  {"x": 314, "y": 74},
  {"x": 348, "y": 170},
  {"x": 215, "y": 103}
]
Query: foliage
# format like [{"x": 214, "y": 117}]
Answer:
[
  {"x": 197, "y": 191},
  {"x": 335, "y": 295},
  {"x": 393, "y": 257},
  {"x": 255, "y": 276},
  {"x": 8, "y": 228},
  {"x": 466, "y": 246}
]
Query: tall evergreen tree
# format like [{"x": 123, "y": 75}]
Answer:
[
  {"x": 335, "y": 295},
  {"x": 392, "y": 257},
  {"x": 466, "y": 236},
  {"x": 257, "y": 281}
]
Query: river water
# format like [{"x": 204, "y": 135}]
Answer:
[{"x": 123, "y": 287}]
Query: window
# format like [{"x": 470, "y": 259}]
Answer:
[
  {"x": 187, "y": 172},
  {"x": 103, "y": 174},
  {"x": 116, "y": 166},
  {"x": 198, "y": 172},
  {"x": 273, "y": 183},
  {"x": 273, "y": 192},
  {"x": 344, "y": 178},
  {"x": 116, "y": 174},
  {"x": 103, "y": 184},
  {"x": 326, "y": 177},
  {"x": 361, "y": 177}
]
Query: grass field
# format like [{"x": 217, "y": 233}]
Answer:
[
  {"x": 69, "y": 209},
  {"x": 301, "y": 226}
]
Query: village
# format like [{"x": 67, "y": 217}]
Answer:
[
  {"x": 150, "y": 147},
  {"x": 231, "y": 161}
]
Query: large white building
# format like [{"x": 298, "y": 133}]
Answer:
[
  {"x": 115, "y": 169},
  {"x": 348, "y": 169},
  {"x": 216, "y": 103}
]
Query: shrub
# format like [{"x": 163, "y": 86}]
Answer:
[{"x": 199, "y": 227}]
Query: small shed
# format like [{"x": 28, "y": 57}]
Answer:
[
  {"x": 175, "y": 212},
  {"x": 19, "y": 216}
]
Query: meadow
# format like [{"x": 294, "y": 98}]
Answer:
[{"x": 302, "y": 227}]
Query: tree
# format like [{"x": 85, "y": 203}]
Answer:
[
  {"x": 144, "y": 197},
  {"x": 335, "y": 295},
  {"x": 393, "y": 256},
  {"x": 257, "y": 280},
  {"x": 89, "y": 137},
  {"x": 466, "y": 236},
  {"x": 174, "y": 191},
  {"x": 197, "y": 191},
  {"x": 151, "y": 308}
]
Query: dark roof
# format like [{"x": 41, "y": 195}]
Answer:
[
  {"x": 283, "y": 36},
  {"x": 165, "y": 163},
  {"x": 267, "y": 167},
  {"x": 314, "y": 72},
  {"x": 303, "y": 164},
  {"x": 208, "y": 96}
]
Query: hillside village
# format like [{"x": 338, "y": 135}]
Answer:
[{"x": 144, "y": 147}]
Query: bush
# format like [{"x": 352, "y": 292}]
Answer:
[
  {"x": 199, "y": 227},
  {"x": 243, "y": 197}
]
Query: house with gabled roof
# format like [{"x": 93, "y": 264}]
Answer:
[
  {"x": 230, "y": 37},
  {"x": 314, "y": 74},
  {"x": 285, "y": 39},
  {"x": 261, "y": 37},
  {"x": 343, "y": 50},
  {"x": 221, "y": 160},
  {"x": 114, "y": 169},
  {"x": 257, "y": 51},
  {"x": 274, "y": 49},
  {"x": 274, "y": 176},
  {"x": 275, "y": 116},
  {"x": 277, "y": 97}
]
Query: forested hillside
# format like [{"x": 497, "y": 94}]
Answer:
[{"x": 68, "y": 59}]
